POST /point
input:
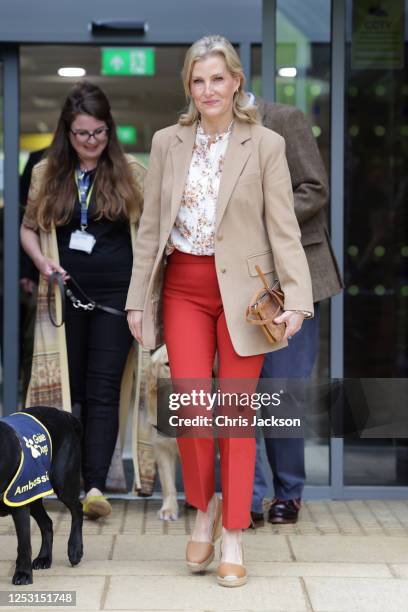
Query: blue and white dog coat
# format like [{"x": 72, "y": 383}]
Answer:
[{"x": 31, "y": 480}]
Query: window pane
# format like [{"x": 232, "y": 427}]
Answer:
[
  {"x": 1, "y": 235},
  {"x": 376, "y": 246},
  {"x": 303, "y": 80}
]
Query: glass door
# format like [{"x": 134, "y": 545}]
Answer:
[
  {"x": 1, "y": 233},
  {"x": 145, "y": 92},
  {"x": 375, "y": 223},
  {"x": 302, "y": 80}
]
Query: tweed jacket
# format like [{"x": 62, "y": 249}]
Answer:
[
  {"x": 255, "y": 224},
  {"x": 311, "y": 192}
]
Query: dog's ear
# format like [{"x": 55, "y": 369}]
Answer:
[{"x": 158, "y": 358}]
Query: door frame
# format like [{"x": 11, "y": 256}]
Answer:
[{"x": 9, "y": 57}]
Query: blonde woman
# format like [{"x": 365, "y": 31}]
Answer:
[{"x": 218, "y": 201}]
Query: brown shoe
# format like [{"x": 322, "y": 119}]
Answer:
[
  {"x": 284, "y": 511},
  {"x": 199, "y": 555},
  {"x": 232, "y": 574}
]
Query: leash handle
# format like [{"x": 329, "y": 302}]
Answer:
[
  {"x": 91, "y": 305},
  {"x": 56, "y": 277}
]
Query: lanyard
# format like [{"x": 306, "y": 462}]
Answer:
[{"x": 83, "y": 180}]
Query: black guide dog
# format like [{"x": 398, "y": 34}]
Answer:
[{"x": 65, "y": 431}]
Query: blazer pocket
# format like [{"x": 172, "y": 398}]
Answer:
[
  {"x": 263, "y": 260},
  {"x": 312, "y": 238}
]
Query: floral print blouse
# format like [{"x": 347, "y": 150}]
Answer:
[{"x": 194, "y": 229}]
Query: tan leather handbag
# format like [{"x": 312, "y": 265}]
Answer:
[{"x": 265, "y": 306}]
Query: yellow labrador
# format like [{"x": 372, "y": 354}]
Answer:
[{"x": 165, "y": 448}]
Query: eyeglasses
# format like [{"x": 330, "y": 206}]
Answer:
[{"x": 100, "y": 134}]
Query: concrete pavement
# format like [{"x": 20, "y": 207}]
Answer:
[{"x": 341, "y": 556}]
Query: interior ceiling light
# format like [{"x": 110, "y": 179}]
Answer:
[
  {"x": 287, "y": 72},
  {"x": 72, "y": 72}
]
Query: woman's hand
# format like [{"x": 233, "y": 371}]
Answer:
[
  {"x": 134, "y": 318},
  {"x": 293, "y": 321},
  {"x": 30, "y": 241},
  {"x": 47, "y": 266}
]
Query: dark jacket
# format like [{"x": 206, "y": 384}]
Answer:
[{"x": 311, "y": 193}]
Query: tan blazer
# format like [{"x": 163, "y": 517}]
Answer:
[{"x": 255, "y": 224}]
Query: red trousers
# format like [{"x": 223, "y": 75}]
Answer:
[{"x": 195, "y": 329}]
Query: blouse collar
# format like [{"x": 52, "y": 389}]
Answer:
[{"x": 205, "y": 137}]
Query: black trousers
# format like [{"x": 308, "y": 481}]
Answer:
[{"x": 98, "y": 344}]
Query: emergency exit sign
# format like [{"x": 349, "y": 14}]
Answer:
[
  {"x": 128, "y": 61},
  {"x": 127, "y": 134}
]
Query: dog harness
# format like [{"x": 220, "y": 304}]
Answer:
[{"x": 31, "y": 480}]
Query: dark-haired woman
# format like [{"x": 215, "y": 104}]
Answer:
[{"x": 85, "y": 200}]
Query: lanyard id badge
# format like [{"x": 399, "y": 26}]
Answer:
[{"x": 81, "y": 240}]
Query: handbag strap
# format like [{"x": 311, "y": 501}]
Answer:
[
  {"x": 262, "y": 276},
  {"x": 251, "y": 312},
  {"x": 56, "y": 277},
  {"x": 277, "y": 293}
]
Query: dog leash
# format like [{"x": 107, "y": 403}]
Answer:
[{"x": 56, "y": 278}]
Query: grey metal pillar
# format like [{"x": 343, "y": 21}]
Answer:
[
  {"x": 338, "y": 71},
  {"x": 9, "y": 58},
  {"x": 268, "y": 54},
  {"x": 245, "y": 57}
]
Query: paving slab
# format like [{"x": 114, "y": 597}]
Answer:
[
  {"x": 158, "y": 567},
  {"x": 90, "y": 528},
  {"x": 169, "y": 567},
  {"x": 6, "y": 567},
  {"x": 88, "y": 589},
  {"x": 350, "y": 570},
  {"x": 351, "y": 549},
  {"x": 203, "y": 593},
  {"x": 134, "y": 519},
  {"x": 6, "y": 526},
  {"x": 399, "y": 569},
  {"x": 95, "y": 547},
  {"x": 357, "y": 594},
  {"x": 341, "y": 555},
  {"x": 152, "y": 546}
]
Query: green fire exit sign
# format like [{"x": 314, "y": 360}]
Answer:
[
  {"x": 127, "y": 134},
  {"x": 128, "y": 61}
]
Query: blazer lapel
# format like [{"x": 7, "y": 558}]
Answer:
[
  {"x": 238, "y": 151},
  {"x": 181, "y": 153}
]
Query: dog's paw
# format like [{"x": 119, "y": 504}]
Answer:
[
  {"x": 21, "y": 577},
  {"x": 75, "y": 554},
  {"x": 168, "y": 514},
  {"x": 41, "y": 563}
]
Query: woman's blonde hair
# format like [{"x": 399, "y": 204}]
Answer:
[{"x": 242, "y": 107}]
